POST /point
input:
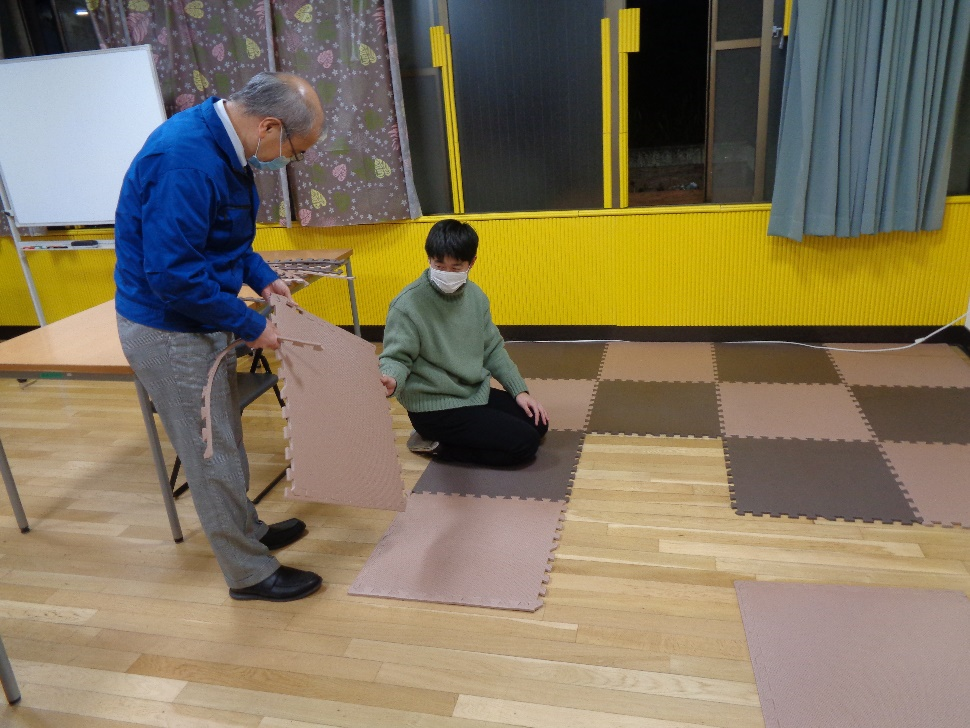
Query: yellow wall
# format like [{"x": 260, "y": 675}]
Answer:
[{"x": 685, "y": 266}]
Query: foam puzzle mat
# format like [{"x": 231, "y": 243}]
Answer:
[
  {"x": 335, "y": 410},
  {"x": 486, "y": 537},
  {"x": 548, "y": 477},
  {"x": 866, "y": 657},
  {"x": 871, "y": 436},
  {"x": 455, "y": 549}
]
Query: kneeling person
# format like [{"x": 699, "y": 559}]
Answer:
[{"x": 441, "y": 349}]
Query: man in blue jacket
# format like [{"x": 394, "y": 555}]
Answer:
[{"x": 184, "y": 229}]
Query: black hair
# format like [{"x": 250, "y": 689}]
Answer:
[{"x": 452, "y": 239}]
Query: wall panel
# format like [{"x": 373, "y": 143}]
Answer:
[{"x": 685, "y": 266}]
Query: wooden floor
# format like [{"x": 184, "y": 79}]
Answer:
[{"x": 109, "y": 623}]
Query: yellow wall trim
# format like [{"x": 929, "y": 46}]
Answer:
[
  {"x": 606, "y": 61},
  {"x": 710, "y": 265}
]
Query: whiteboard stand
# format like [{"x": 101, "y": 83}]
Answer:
[
  {"x": 72, "y": 123},
  {"x": 15, "y": 234}
]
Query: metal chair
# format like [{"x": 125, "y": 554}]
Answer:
[
  {"x": 7, "y": 678},
  {"x": 251, "y": 386}
]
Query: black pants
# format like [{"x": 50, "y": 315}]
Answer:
[{"x": 497, "y": 433}]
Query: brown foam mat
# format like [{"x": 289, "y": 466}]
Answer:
[
  {"x": 815, "y": 479},
  {"x": 567, "y": 401},
  {"x": 555, "y": 360},
  {"x": 774, "y": 364},
  {"x": 805, "y": 411},
  {"x": 548, "y": 477},
  {"x": 936, "y": 478},
  {"x": 865, "y": 657},
  {"x": 926, "y": 365},
  {"x": 487, "y": 552},
  {"x": 917, "y": 414},
  {"x": 676, "y": 409},
  {"x": 341, "y": 437},
  {"x": 659, "y": 362}
]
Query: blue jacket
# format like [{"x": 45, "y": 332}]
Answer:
[{"x": 184, "y": 228}]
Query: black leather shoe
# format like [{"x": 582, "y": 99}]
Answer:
[
  {"x": 286, "y": 584},
  {"x": 283, "y": 533}
]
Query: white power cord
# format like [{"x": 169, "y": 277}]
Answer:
[
  {"x": 793, "y": 343},
  {"x": 861, "y": 351}
]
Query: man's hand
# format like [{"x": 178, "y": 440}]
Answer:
[
  {"x": 532, "y": 408},
  {"x": 278, "y": 287},
  {"x": 390, "y": 384},
  {"x": 269, "y": 339}
]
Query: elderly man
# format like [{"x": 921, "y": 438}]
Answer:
[{"x": 184, "y": 229}]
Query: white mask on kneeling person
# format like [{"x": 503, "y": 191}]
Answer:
[{"x": 448, "y": 281}]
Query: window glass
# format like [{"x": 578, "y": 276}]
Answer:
[
  {"x": 737, "y": 19},
  {"x": 735, "y": 125},
  {"x": 960, "y": 161},
  {"x": 76, "y": 27},
  {"x": 528, "y": 102},
  {"x": 776, "y": 85},
  {"x": 42, "y": 27},
  {"x": 668, "y": 103},
  {"x": 423, "y": 104}
]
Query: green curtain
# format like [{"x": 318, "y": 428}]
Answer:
[{"x": 867, "y": 116}]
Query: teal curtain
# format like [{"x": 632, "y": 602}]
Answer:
[{"x": 867, "y": 116}]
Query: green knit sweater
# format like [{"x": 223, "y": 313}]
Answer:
[{"x": 443, "y": 348}]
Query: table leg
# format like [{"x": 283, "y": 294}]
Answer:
[
  {"x": 160, "y": 469},
  {"x": 7, "y": 679},
  {"x": 353, "y": 297},
  {"x": 12, "y": 494}
]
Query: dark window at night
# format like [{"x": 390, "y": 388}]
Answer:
[
  {"x": 668, "y": 103},
  {"x": 43, "y": 27}
]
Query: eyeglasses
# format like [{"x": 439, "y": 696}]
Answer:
[{"x": 297, "y": 156}]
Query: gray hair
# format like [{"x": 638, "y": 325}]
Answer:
[{"x": 267, "y": 94}]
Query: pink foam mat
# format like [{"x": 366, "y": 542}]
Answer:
[
  {"x": 339, "y": 425},
  {"x": 806, "y": 411},
  {"x": 936, "y": 478},
  {"x": 858, "y": 657},
  {"x": 659, "y": 362},
  {"x": 453, "y": 549},
  {"x": 926, "y": 365},
  {"x": 566, "y": 400}
]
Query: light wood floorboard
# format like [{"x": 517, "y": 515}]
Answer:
[{"x": 109, "y": 623}]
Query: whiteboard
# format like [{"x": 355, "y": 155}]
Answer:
[{"x": 70, "y": 124}]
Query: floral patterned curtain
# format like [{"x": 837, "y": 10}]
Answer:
[
  {"x": 201, "y": 49},
  {"x": 361, "y": 172}
]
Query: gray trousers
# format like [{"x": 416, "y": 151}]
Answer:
[{"x": 173, "y": 367}]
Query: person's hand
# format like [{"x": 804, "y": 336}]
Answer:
[
  {"x": 278, "y": 287},
  {"x": 269, "y": 339},
  {"x": 532, "y": 408},
  {"x": 390, "y": 384}
]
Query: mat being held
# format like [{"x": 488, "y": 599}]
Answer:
[{"x": 341, "y": 440}]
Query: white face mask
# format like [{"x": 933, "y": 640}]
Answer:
[{"x": 447, "y": 281}]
